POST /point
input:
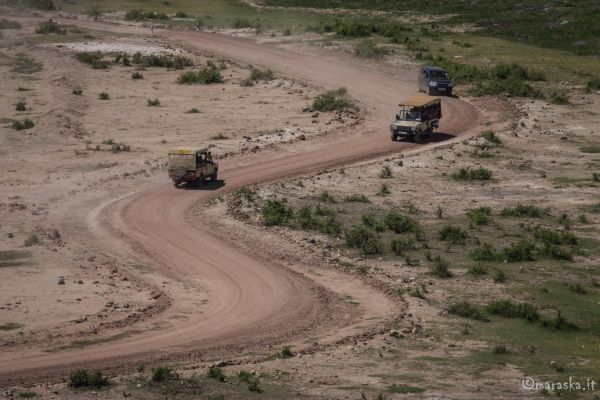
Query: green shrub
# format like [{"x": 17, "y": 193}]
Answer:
[
  {"x": 508, "y": 309},
  {"x": 23, "y": 124},
  {"x": 452, "y": 234},
  {"x": 593, "y": 84},
  {"x": 491, "y": 137},
  {"x": 193, "y": 110},
  {"x": 48, "y": 27},
  {"x": 439, "y": 268},
  {"x": 400, "y": 223},
  {"x": 322, "y": 221},
  {"x": 577, "y": 288},
  {"x": 326, "y": 197},
  {"x": 204, "y": 76},
  {"x": 154, "y": 103},
  {"x": 77, "y": 91},
  {"x": 276, "y": 213},
  {"x": 468, "y": 174},
  {"x": 104, "y": 96},
  {"x": 369, "y": 49},
  {"x": 363, "y": 239},
  {"x": 137, "y": 75},
  {"x": 244, "y": 376},
  {"x": 476, "y": 270},
  {"x": 46, "y": 5},
  {"x": 246, "y": 193},
  {"x": 88, "y": 380},
  {"x": 140, "y": 15},
  {"x": 332, "y": 100},
  {"x": 523, "y": 210},
  {"x": 94, "y": 11},
  {"x": 372, "y": 221},
  {"x": 356, "y": 198},
  {"x": 500, "y": 349},
  {"x": 399, "y": 246},
  {"x": 21, "y": 105},
  {"x": 386, "y": 172},
  {"x": 555, "y": 251},
  {"x": 92, "y": 58},
  {"x": 161, "y": 60},
  {"x": 181, "y": 14},
  {"x": 253, "y": 385},
  {"x": 31, "y": 240},
  {"x": 9, "y": 24},
  {"x": 480, "y": 216},
  {"x": 559, "y": 99},
  {"x": 519, "y": 251},
  {"x": 554, "y": 237},
  {"x": 467, "y": 310},
  {"x": 264, "y": 75},
  {"x": 163, "y": 374},
  {"x": 384, "y": 190},
  {"x": 216, "y": 373},
  {"x": 559, "y": 323},
  {"x": 485, "y": 252},
  {"x": 286, "y": 352},
  {"x": 499, "y": 276}
]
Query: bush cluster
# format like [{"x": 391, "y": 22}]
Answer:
[
  {"x": 205, "y": 76},
  {"x": 138, "y": 14},
  {"x": 332, "y": 100},
  {"x": 89, "y": 380}
]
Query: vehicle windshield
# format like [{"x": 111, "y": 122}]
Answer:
[
  {"x": 438, "y": 75},
  {"x": 409, "y": 115}
]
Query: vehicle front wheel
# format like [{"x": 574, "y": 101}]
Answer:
[
  {"x": 418, "y": 137},
  {"x": 394, "y": 137},
  {"x": 176, "y": 184},
  {"x": 214, "y": 176},
  {"x": 200, "y": 181}
]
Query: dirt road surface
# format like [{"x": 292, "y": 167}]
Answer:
[{"x": 242, "y": 298}]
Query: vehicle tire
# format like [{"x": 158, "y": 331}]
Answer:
[
  {"x": 418, "y": 137},
  {"x": 176, "y": 184},
  {"x": 200, "y": 180},
  {"x": 214, "y": 176},
  {"x": 394, "y": 137}
]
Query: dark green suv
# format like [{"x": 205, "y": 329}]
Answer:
[{"x": 434, "y": 80}]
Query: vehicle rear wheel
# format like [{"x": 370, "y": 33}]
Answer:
[
  {"x": 176, "y": 184},
  {"x": 214, "y": 176},
  {"x": 200, "y": 180},
  {"x": 418, "y": 137},
  {"x": 394, "y": 137}
]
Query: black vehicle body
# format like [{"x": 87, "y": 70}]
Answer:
[{"x": 434, "y": 80}]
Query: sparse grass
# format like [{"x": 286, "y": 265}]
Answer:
[
  {"x": 523, "y": 210},
  {"x": 163, "y": 373},
  {"x": 137, "y": 75},
  {"x": 92, "y": 58},
  {"x": 509, "y": 309},
  {"x": 264, "y": 75},
  {"x": 500, "y": 349},
  {"x": 559, "y": 99},
  {"x": 363, "y": 239},
  {"x": 452, "y": 234},
  {"x": 399, "y": 246},
  {"x": 26, "y": 65},
  {"x": 468, "y": 174},
  {"x": 204, "y": 76},
  {"x": 49, "y": 27},
  {"x": 405, "y": 389},
  {"x": 499, "y": 276},
  {"x": 485, "y": 252},
  {"x": 371, "y": 220},
  {"x": 154, "y": 103},
  {"x": 46, "y": 5},
  {"x": 23, "y": 124},
  {"x": 491, "y": 137},
  {"x": 181, "y": 14},
  {"x": 326, "y": 197},
  {"x": 104, "y": 96},
  {"x": 356, "y": 198},
  {"x": 480, "y": 216},
  {"x": 220, "y": 136},
  {"x": 476, "y": 270},
  {"x": 386, "y": 172},
  {"x": 216, "y": 373},
  {"x": 593, "y": 149},
  {"x": 23, "y": 89},
  {"x": 193, "y": 110},
  {"x": 31, "y": 240},
  {"x": 82, "y": 379},
  {"x": 9, "y": 24},
  {"x": 467, "y": 310},
  {"x": 439, "y": 268},
  {"x": 332, "y": 100},
  {"x": 276, "y": 213},
  {"x": 246, "y": 193},
  {"x": 593, "y": 84},
  {"x": 369, "y": 49},
  {"x": 77, "y": 91},
  {"x": 9, "y": 326},
  {"x": 577, "y": 288},
  {"x": 559, "y": 323}
]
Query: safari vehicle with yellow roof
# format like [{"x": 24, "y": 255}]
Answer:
[
  {"x": 418, "y": 117},
  {"x": 191, "y": 165}
]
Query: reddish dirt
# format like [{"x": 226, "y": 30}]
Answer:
[{"x": 241, "y": 297}]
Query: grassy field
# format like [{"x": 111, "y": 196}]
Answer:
[{"x": 566, "y": 25}]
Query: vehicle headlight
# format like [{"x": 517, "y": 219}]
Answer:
[
  {"x": 433, "y": 83},
  {"x": 450, "y": 84}
]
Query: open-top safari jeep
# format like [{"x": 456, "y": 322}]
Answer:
[
  {"x": 191, "y": 165},
  {"x": 418, "y": 116}
]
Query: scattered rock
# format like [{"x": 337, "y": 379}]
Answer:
[{"x": 61, "y": 280}]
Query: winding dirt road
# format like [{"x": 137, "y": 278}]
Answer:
[{"x": 241, "y": 298}]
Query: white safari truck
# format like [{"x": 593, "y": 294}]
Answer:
[
  {"x": 418, "y": 116},
  {"x": 191, "y": 165}
]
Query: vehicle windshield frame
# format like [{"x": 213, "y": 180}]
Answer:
[{"x": 410, "y": 114}]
